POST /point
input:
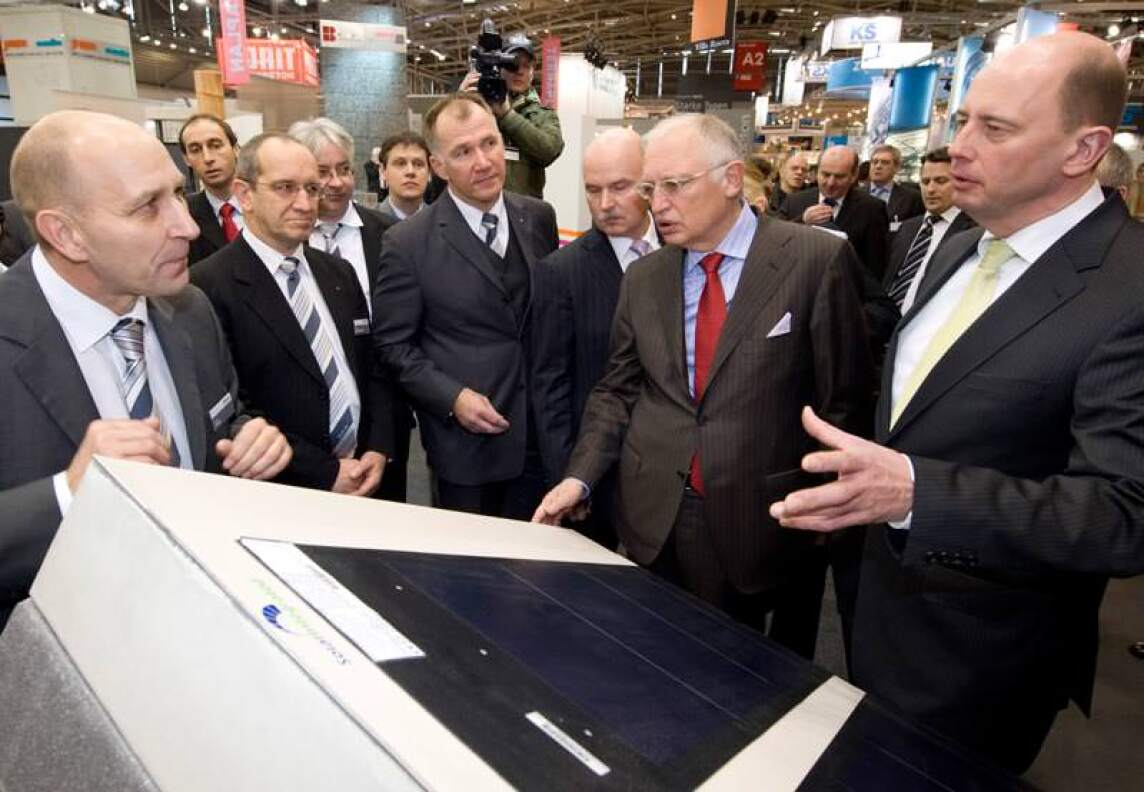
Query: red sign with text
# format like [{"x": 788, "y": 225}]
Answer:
[
  {"x": 230, "y": 47},
  {"x": 550, "y": 71},
  {"x": 750, "y": 65},
  {"x": 292, "y": 61}
]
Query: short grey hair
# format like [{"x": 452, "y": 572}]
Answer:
[
  {"x": 313, "y": 133},
  {"x": 1115, "y": 169},
  {"x": 719, "y": 141}
]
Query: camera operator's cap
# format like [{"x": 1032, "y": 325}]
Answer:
[{"x": 518, "y": 42}]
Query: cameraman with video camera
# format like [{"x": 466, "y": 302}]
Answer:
[{"x": 530, "y": 130}]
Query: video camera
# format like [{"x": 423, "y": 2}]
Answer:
[{"x": 488, "y": 58}]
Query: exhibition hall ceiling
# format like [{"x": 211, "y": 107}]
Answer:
[{"x": 626, "y": 32}]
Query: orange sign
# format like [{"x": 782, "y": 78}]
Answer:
[{"x": 292, "y": 61}]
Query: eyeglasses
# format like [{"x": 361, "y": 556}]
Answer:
[
  {"x": 286, "y": 190},
  {"x": 672, "y": 186},
  {"x": 342, "y": 170}
]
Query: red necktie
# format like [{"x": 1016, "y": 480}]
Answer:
[
  {"x": 708, "y": 326},
  {"x": 229, "y": 228}
]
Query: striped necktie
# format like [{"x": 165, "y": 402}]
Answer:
[
  {"x": 128, "y": 338},
  {"x": 639, "y": 249},
  {"x": 489, "y": 222},
  {"x": 913, "y": 261},
  {"x": 978, "y": 296},
  {"x": 343, "y": 432},
  {"x": 329, "y": 232}
]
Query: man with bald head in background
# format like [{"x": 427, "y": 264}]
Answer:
[
  {"x": 839, "y": 204},
  {"x": 574, "y": 297},
  {"x": 1007, "y": 484},
  {"x": 104, "y": 349}
]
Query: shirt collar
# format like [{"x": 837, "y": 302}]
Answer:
[
  {"x": 950, "y": 214},
  {"x": 85, "y": 321},
  {"x": 737, "y": 243},
  {"x": 268, "y": 255},
  {"x": 216, "y": 203},
  {"x": 1031, "y": 242},
  {"x": 473, "y": 215},
  {"x": 621, "y": 244},
  {"x": 350, "y": 218}
]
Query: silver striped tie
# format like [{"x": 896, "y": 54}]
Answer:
[{"x": 128, "y": 337}]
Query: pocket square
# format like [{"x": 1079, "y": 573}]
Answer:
[{"x": 781, "y": 328}]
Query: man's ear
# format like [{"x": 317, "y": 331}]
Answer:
[
  {"x": 438, "y": 166},
  {"x": 1089, "y": 146},
  {"x": 59, "y": 230}
]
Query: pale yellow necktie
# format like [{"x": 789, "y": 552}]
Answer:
[{"x": 978, "y": 294}]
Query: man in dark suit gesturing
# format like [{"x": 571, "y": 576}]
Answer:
[
  {"x": 919, "y": 238},
  {"x": 298, "y": 325},
  {"x": 574, "y": 298},
  {"x": 1009, "y": 483},
  {"x": 210, "y": 149},
  {"x": 717, "y": 338},
  {"x": 103, "y": 347},
  {"x": 452, "y": 307},
  {"x": 353, "y": 232}
]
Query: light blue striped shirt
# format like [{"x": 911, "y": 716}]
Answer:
[{"x": 734, "y": 248}]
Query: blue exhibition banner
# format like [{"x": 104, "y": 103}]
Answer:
[
  {"x": 846, "y": 80},
  {"x": 912, "y": 103}
]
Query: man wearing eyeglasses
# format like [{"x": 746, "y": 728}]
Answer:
[
  {"x": 718, "y": 339},
  {"x": 575, "y": 291},
  {"x": 298, "y": 325},
  {"x": 453, "y": 303},
  {"x": 531, "y": 131}
]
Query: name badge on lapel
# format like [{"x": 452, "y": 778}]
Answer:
[
  {"x": 222, "y": 412},
  {"x": 361, "y": 327},
  {"x": 511, "y": 154}
]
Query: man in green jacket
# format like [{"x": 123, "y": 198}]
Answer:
[{"x": 531, "y": 131}]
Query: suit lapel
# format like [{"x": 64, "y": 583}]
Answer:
[
  {"x": 762, "y": 274},
  {"x": 603, "y": 256},
  {"x": 520, "y": 226},
  {"x": 667, "y": 298},
  {"x": 261, "y": 293},
  {"x": 208, "y": 222},
  {"x": 370, "y": 244},
  {"x": 181, "y": 363},
  {"x": 47, "y": 367},
  {"x": 458, "y": 234}
]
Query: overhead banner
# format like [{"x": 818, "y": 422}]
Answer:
[
  {"x": 232, "y": 45},
  {"x": 847, "y": 80},
  {"x": 897, "y": 55},
  {"x": 794, "y": 84},
  {"x": 712, "y": 24},
  {"x": 971, "y": 58},
  {"x": 293, "y": 61},
  {"x": 856, "y": 32},
  {"x": 550, "y": 71},
  {"x": 878, "y": 114},
  {"x": 750, "y": 66},
  {"x": 339, "y": 34},
  {"x": 913, "y": 98}
]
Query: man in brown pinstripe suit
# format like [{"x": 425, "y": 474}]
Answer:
[{"x": 770, "y": 322}]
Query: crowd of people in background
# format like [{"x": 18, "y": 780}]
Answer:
[{"x": 746, "y": 374}]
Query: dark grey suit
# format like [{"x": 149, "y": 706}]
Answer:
[
  {"x": 47, "y": 408},
  {"x": 747, "y": 425},
  {"x": 18, "y": 238},
  {"x": 1027, "y": 441},
  {"x": 575, "y": 291},
  {"x": 905, "y": 202},
  {"x": 443, "y": 321},
  {"x": 211, "y": 238},
  {"x": 904, "y": 237}
]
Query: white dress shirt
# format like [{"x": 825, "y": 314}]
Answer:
[
  {"x": 349, "y": 243},
  {"x": 273, "y": 261},
  {"x": 87, "y": 326},
  {"x": 216, "y": 204},
  {"x": 622, "y": 246},
  {"x": 940, "y": 229},
  {"x": 473, "y": 217},
  {"x": 1028, "y": 244}
]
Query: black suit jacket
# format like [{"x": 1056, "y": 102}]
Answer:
[
  {"x": 17, "y": 238},
  {"x": 1027, "y": 441},
  {"x": 277, "y": 372},
  {"x": 374, "y": 226},
  {"x": 793, "y": 336},
  {"x": 905, "y": 202},
  {"x": 574, "y": 299},
  {"x": 904, "y": 237},
  {"x": 443, "y": 321},
  {"x": 47, "y": 408},
  {"x": 862, "y": 217},
  {"x": 210, "y": 238}
]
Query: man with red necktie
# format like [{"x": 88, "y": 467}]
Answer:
[
  {"x": 717, "y": 336},
  {"x": 210, "y": 149}
]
